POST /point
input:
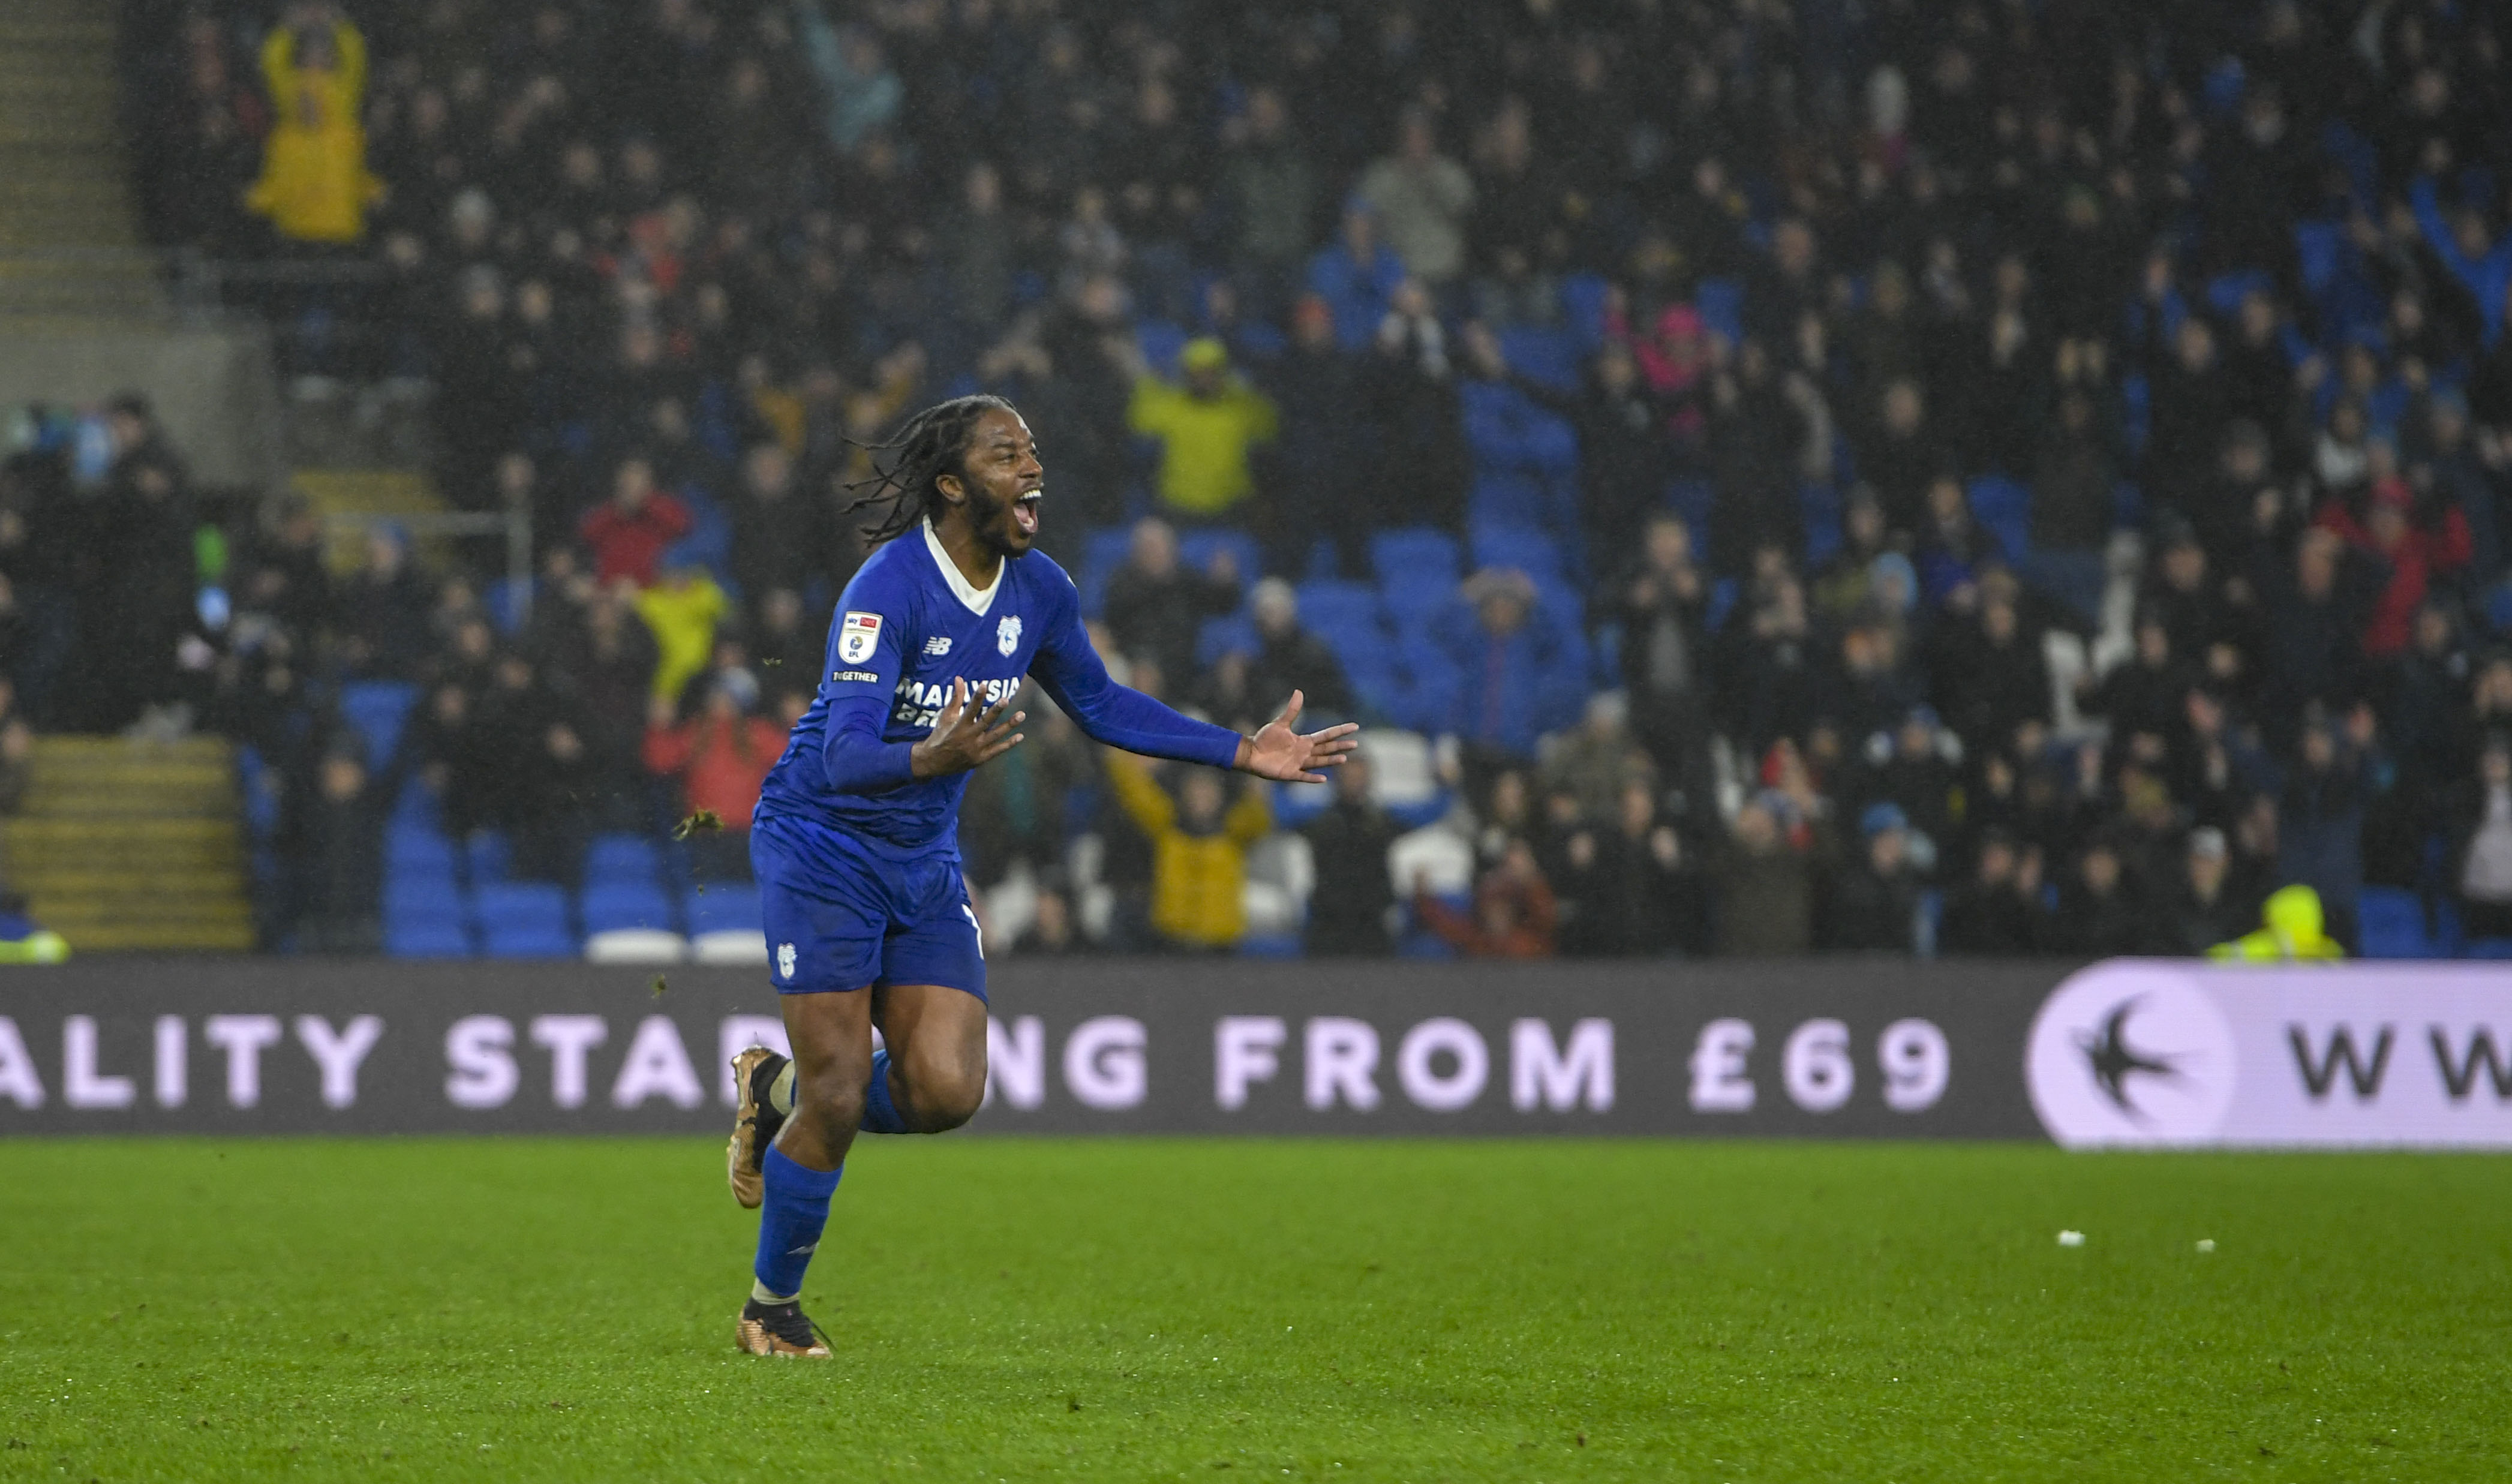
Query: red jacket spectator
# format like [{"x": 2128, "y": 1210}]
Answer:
[
  {"x": 722, "y": 756},
  {"x": 630, "y": 532},
  {"x": 2417, "y": 553},
  {"x": 1513, "y": 913}
]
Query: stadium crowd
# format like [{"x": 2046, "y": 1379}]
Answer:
[{"x": 1980, "y": 477}]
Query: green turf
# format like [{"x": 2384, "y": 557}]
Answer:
[{"x": 540, "y": 1308}]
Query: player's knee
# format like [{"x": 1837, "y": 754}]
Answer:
[
  {"x": 832, "y": 1107},
  {"x": 948, "y": 1097}
]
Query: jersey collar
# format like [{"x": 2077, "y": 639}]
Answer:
[{"x": 977, "y": 599}]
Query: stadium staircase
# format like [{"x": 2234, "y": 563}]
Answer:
[
  {"x": 133, "y": 846},
  {"x": 70, "y": 254}
]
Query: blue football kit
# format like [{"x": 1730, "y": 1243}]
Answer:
[{"x": 857, "y": 859}]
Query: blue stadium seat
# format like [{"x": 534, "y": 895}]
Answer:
[
  {"x": 487, "y": 854},
  {"x": 1230, "y": 633},
  {"x": 1721, "y": 305},
  {"x": 722, "y": 906},
  {"x": 2392, "y": 924},
  {"x": 1499, "y": 494},
  {"x": 417, "y": 805},
  {"x": 1583, "y": 308},
  {"x": 378, "y": 709},
  {"x": 2488, "y": 947},
  {"x": 1161, "y": 342},
  {"x": 1527, "y": 548},
  {"x": 529, "y": 943},
  {"x": 2004, "y": 508},
  {"x": 1197, "y": 548},
  {"x": 260, "y": 800},
  {"x": 420, "y": 900},
  {"x": 427, "y": 940},
  {"x": 1332, "y": 609},
  {"x": 1103, "y": 550},
  {"x": 622, "y": 860},
  {"x": 1414, "y": 600},
  {"x": 1269, "y": 946},
  {"x": 620, "y": 903},
  {"x": 1411, "y": 550},
  {"x": 416, "y": 847},
  {"x": 520, "y": 907},
  {"x": 1549, "y": 356}
]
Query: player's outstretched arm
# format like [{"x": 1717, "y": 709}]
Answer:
[
  {"x": 960, "y": 741},
  {"x": 1280, "y": 752}
]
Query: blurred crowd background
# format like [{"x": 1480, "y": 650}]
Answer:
[{"x": 1774, "y": 476}]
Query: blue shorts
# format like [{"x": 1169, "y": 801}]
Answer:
[{"x": 841, "y": 918}]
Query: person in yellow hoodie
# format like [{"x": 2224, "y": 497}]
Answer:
[
  {"x": 1206, "y": 426},
  {"x": 681, "y": 610},
  {"x": 2291, "y": 933},
  {"x": 1198, "y": 850},
  {"x": 314, "y": 185}
]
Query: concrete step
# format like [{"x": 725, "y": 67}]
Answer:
[
  {"x": 145, "y": 881},
  {"x": 191, "y": 842},
  {"x": 138, "y": 937}
]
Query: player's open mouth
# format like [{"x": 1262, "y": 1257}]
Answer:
[{"x": 1025, "y": 511}]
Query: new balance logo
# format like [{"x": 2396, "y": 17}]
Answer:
[{"x": 939, "y": 644}]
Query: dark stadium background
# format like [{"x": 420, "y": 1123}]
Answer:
[{"x": 1947, "y": 479}]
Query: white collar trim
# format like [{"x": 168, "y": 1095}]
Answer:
[{"x": 977, "y": 599}]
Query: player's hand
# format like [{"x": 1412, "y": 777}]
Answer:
[
  {"x": 960, "y": 741},
  {"x": 1283, "y": 755}
]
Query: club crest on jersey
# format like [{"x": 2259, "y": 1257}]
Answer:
[
  {"x": 857, "y": 633},
  {"x": 939, "y": 644},
  {"x": 1007, "y": 634}
]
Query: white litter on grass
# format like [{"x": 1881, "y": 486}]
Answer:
[
  {"x": 2071, "y": 1239},
  {"x": 2206, "y": 1244}
]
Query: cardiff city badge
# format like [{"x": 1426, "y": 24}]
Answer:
[{"x": 1007, "y": 634}]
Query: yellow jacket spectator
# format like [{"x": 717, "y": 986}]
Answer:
[
  {"x": 1198, "y": 850},
  {"x": 314, "y": 185},
  {"x": 681, "y": 609},
  {"x": 1205, "y": 428},
  {"x": 2292, "y": 933}
]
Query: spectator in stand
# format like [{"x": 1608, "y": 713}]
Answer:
[
  {"x": 1998, "y": 913},
  {"x": 1207, "y": 428},
  {"x": 1409, "y": 402},
  {"x": 1199, "y": 843},
  {"x": 1424, "y": 198},
  {"x": 1314, "y": 470},
  {"x": 1517, "y": 670},
  {"x": 2204, "y": 906},
  {"x": 534, "y": 787},
  {"x": 1766, "y": 885},
  {"x": 1271, "y": 187},
  {"x": 1873, "y": 905},
  {"x": 721, "y": 757},
  {"x": 1637, "y": 891},
  {"x": 1513, "y": 913},
  {"x": 1013, "y": 819},
  {"x": 314, "y": 185},
  {"x": 1663, "y": 607},
  {"x": 2097, "y": 915},
  {"x": 1350, "y": 908},
  {"x": 1254, "y": 687},
  {"x": 2479, "y": 860},
  {"x": 331, "y": 834},
  {"x": 780, "y": 536},
  {"x": 681, "y": 611},
  {"x": 138, "y": 598},
  {"x": 629, "y": 532},
  {"x": 1156, "y": 606},
  {"x": 2320, "y": 817},
  {"x": 2073, "y": 475},
  {"x": 1357, "y": 276},
  {"x": 2415, "y": 553}
]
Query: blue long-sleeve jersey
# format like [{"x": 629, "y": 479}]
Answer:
[{"x": 908, "y": 625}]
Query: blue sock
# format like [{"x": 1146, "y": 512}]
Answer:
[
  {"x": 790, "y": 1220},
  {"x": 879, "y": 1115}
]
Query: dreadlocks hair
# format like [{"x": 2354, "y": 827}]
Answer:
[{"x": 927, "y": 446}]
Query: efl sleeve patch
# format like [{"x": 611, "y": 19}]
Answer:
[{"x": 857, "y": 634}]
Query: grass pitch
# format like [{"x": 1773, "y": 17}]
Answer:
[{"x": 1012, "y": 1310}]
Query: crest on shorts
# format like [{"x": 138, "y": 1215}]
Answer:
[
  {"x": 1007, "y": 634},
  {"x": 857, "y": 633},
  {"x": 785, "y": 960}
]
